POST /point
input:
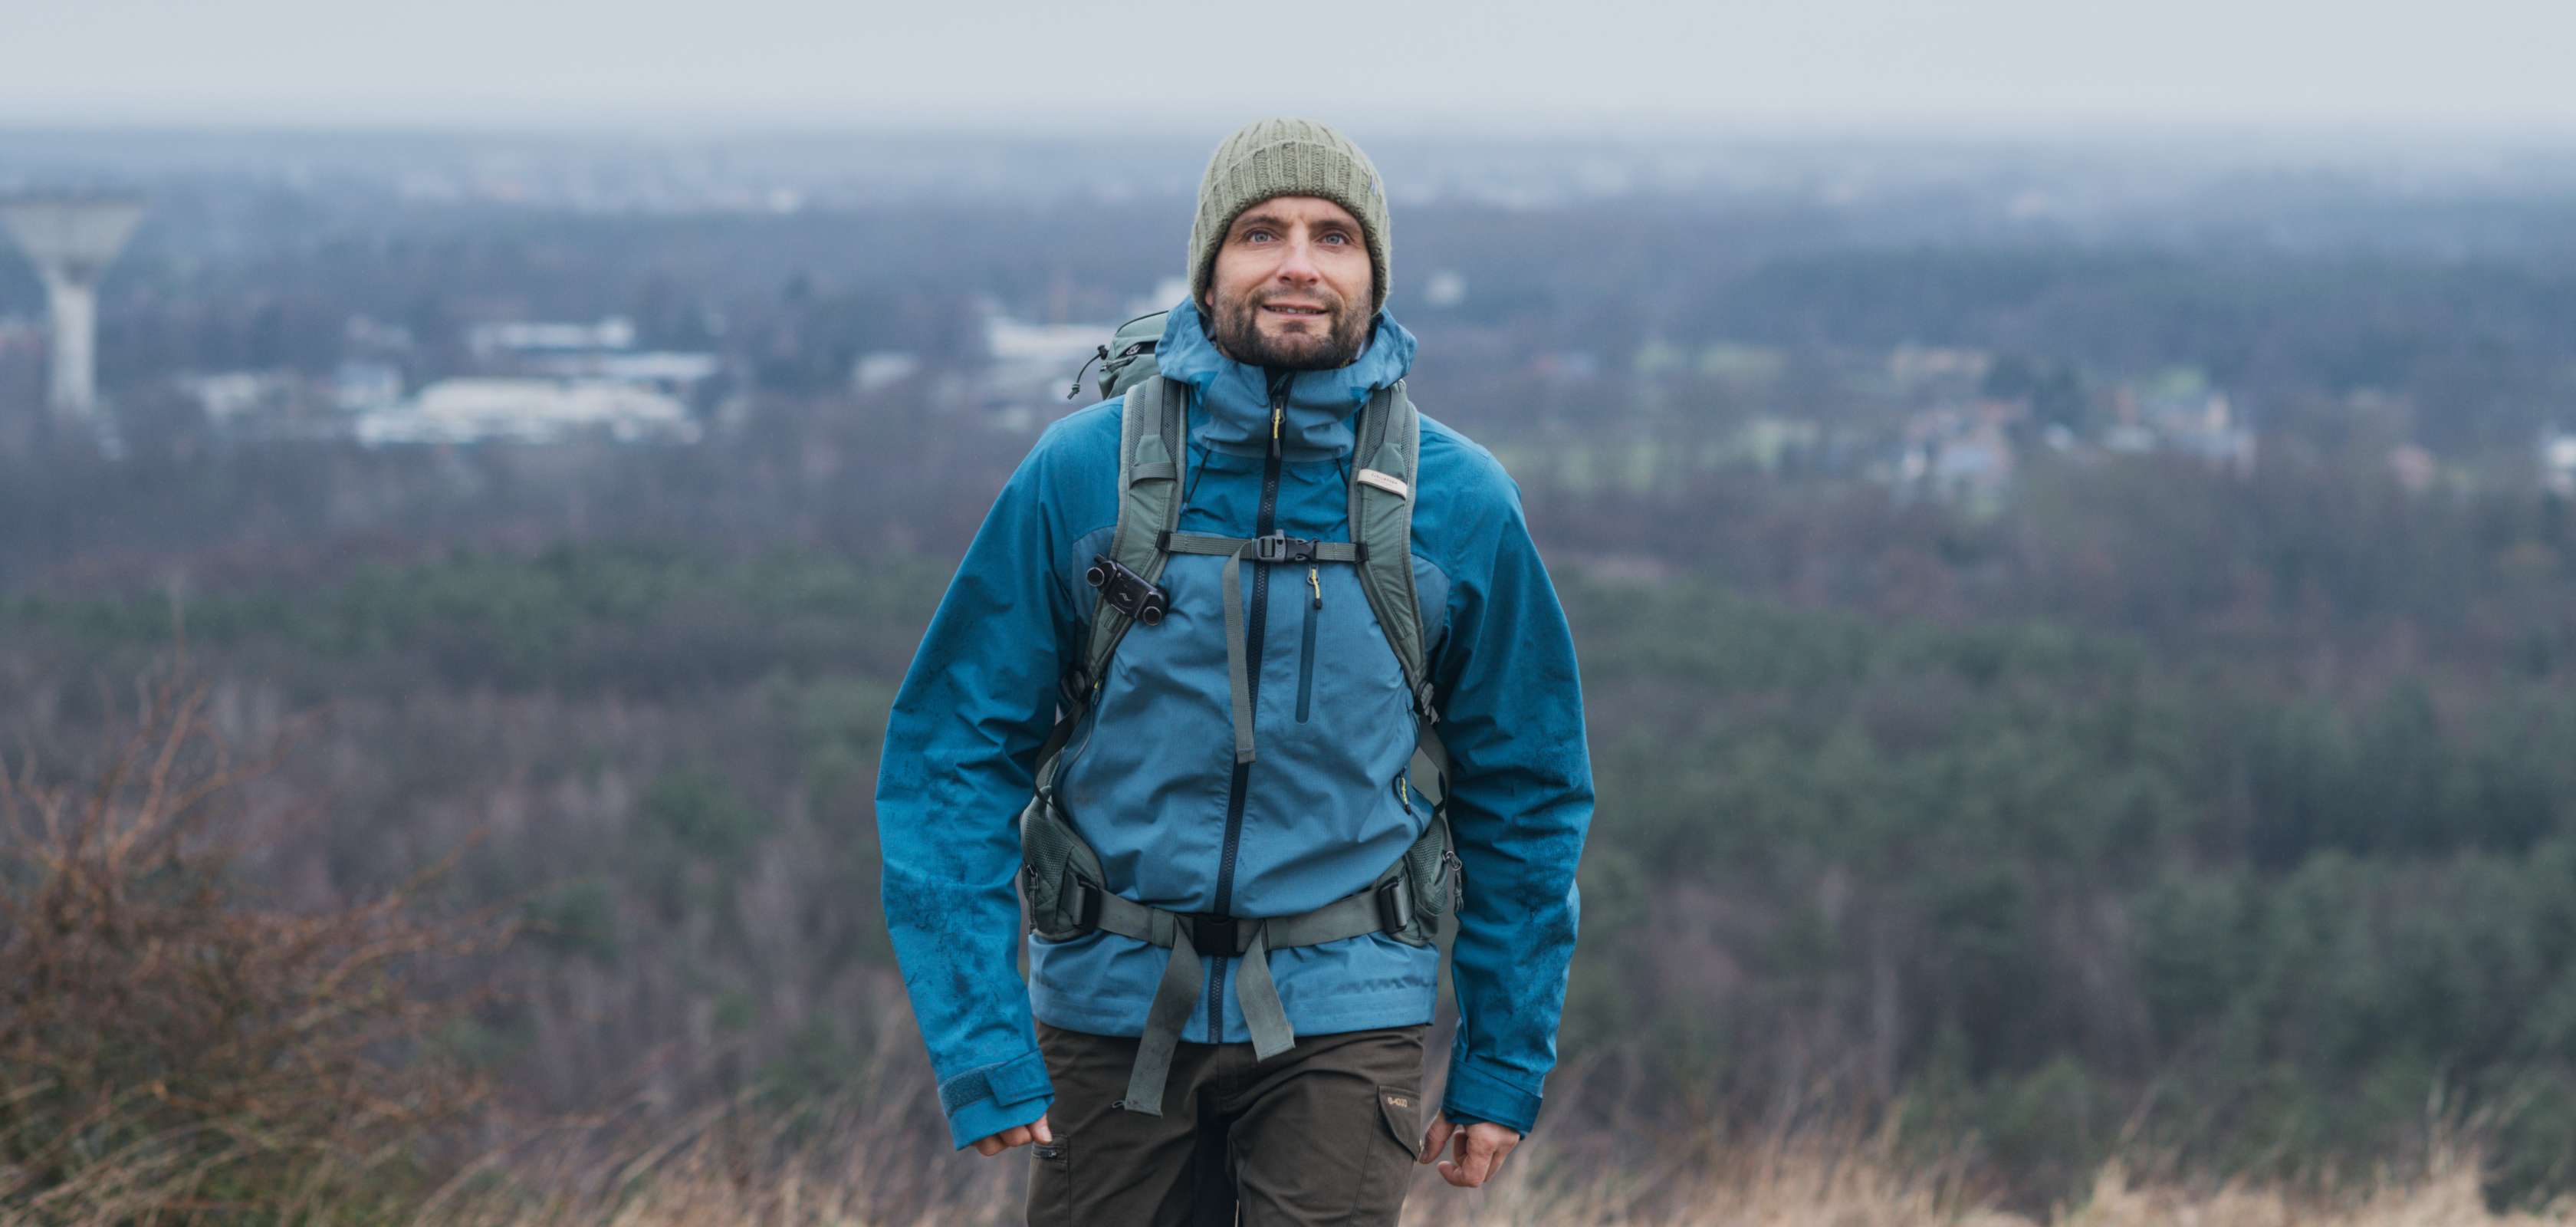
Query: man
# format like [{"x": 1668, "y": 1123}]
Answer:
[{"x": 1230, "y": 827}]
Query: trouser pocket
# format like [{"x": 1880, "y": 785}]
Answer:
[
  {"x": 1388, "y": 1174},
  {"x": 1051, "y": 1183}
]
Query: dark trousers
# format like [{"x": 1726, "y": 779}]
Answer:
[{"x": 1322, "y": 1133}]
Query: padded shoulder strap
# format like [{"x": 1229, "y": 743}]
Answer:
[
  {"x": 1152, "y": 454},
  {"x": 1386, "y": 459},
  {"x": 1152, "y": 457}
]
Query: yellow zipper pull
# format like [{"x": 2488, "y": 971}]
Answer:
[{"x": 1315, "y": 582}]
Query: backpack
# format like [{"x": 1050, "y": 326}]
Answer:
[
  {"x": 1061, "y": 875},
  {"x": 1128, "y": 358}
]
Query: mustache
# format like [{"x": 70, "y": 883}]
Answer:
[{"x": 1332, "y": 301}]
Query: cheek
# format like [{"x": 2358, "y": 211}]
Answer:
[
  {"x": 1351, "y": 276},
  {"x": 1237, "y": 271}
]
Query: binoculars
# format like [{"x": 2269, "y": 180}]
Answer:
[{"x": 1126, "y": 591}]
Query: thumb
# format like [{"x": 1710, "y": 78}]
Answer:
[{"x": 1434, "y": 1138}]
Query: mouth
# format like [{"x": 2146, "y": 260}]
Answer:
[{"x": 1294, "y": 311}]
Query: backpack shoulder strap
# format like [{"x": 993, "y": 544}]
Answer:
[
  {"x": 1152, "y": 457},
  {"x": 1386, "y": 462}
]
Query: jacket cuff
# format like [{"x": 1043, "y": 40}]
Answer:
[
  {"x": 1477, "y": 1094},
  {"x": 989, "y": 1099}
]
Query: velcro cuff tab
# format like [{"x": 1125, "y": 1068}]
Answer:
[
  {"x": 1384, "y": 481},
  {"x": 1017, "y": 1080}
]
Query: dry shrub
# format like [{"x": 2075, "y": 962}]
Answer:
[{"x": 170, "y": 1048}]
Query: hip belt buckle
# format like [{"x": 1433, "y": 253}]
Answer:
[{"x": 1213, "y": 933}]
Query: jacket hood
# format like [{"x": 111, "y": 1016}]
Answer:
[{"x": 1235, "y": 398}]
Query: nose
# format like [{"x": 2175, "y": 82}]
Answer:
[{"x": 1297, "y": 265}]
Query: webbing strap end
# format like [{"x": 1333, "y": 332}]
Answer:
[{"x": 1174, "y": 997}]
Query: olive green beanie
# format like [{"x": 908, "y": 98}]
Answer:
[{"x": 1288, "y": 157}]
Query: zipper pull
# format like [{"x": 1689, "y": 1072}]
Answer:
[
  {"x": 1315, "y": 582},
  {"x": 1277, "y": 412}
]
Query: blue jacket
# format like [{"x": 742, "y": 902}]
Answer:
[{"x": 1149, "y": 779}]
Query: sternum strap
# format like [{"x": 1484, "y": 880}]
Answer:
[{"x": 1235, "y": 550}]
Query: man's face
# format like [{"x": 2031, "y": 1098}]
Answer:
[{"x": 1290, "y": 289}]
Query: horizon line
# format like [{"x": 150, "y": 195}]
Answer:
[{"x": 684, "y": 124}]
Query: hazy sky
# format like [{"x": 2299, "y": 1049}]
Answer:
[{"x": 1194, "y": 65}]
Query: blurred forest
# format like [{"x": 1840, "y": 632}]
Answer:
[{"x": 2222, "y": 806}]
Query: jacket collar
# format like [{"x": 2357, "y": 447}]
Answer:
[{"x": 1231, "y": 409}]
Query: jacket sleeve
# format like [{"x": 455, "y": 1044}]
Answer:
[
  {"x": 958, "y": 766},
  {"x": 1512, "y": 718}
]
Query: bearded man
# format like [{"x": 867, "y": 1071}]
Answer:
[{"x": 1238, "y": 771}]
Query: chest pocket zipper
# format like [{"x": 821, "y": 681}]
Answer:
[{"x": 1306, "y": 652}]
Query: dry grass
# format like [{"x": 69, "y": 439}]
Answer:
[{"x": 707, "y": 1175}]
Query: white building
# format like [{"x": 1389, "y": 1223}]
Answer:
[
  {"x": 531, "y": 411},
  {"x": 2558, "y": 462},
  {"x": 524, "y": 337},
  {"x": 1031, "y": 367}
]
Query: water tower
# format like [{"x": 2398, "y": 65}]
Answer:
[{"x": 72, "y": 239}]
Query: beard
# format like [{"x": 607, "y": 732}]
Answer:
[{"x": 1235, "y": 325}]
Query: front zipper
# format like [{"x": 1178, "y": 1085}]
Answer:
[
  {"x": 1254, "y": 624},
  {"x": 1306, "y": 652}
]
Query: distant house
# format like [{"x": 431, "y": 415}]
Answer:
[
  {"x": 669, "y": 371},
  {"x": 530, "y": 411},
  {"x": 508, "y": 338},
  {"x": 1030, "y": 368},
  {"x": 2558, "y": 461},
  {"x": 882, "y": 369},
  {"x": 1959, "y": 454},
  {"x": 600, "y": 352},
  {"x": 231, "y": 398},
  {"x": 2181, "y": 414}
]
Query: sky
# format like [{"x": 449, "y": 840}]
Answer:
[{"x": 1185, "y": 66}]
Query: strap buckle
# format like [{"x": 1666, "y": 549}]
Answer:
[
  {"x": 1394, "y": 906},
  {"x": 1280, "y": 547},
  {"x": 1086, "y": 905},
  {"x": 1214, "y": 933}
]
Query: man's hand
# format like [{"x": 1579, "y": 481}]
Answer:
[
  {"x": 1481, "y": 1147},
  {"x": 1016, "y": 1135}
]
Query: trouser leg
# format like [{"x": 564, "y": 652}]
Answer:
[
  {"x": 1108, "y": 1166},
  {"x": 1325, "y": 1132}
]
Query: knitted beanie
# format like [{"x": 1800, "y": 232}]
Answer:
[{"x": 1288, "y": 157}]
